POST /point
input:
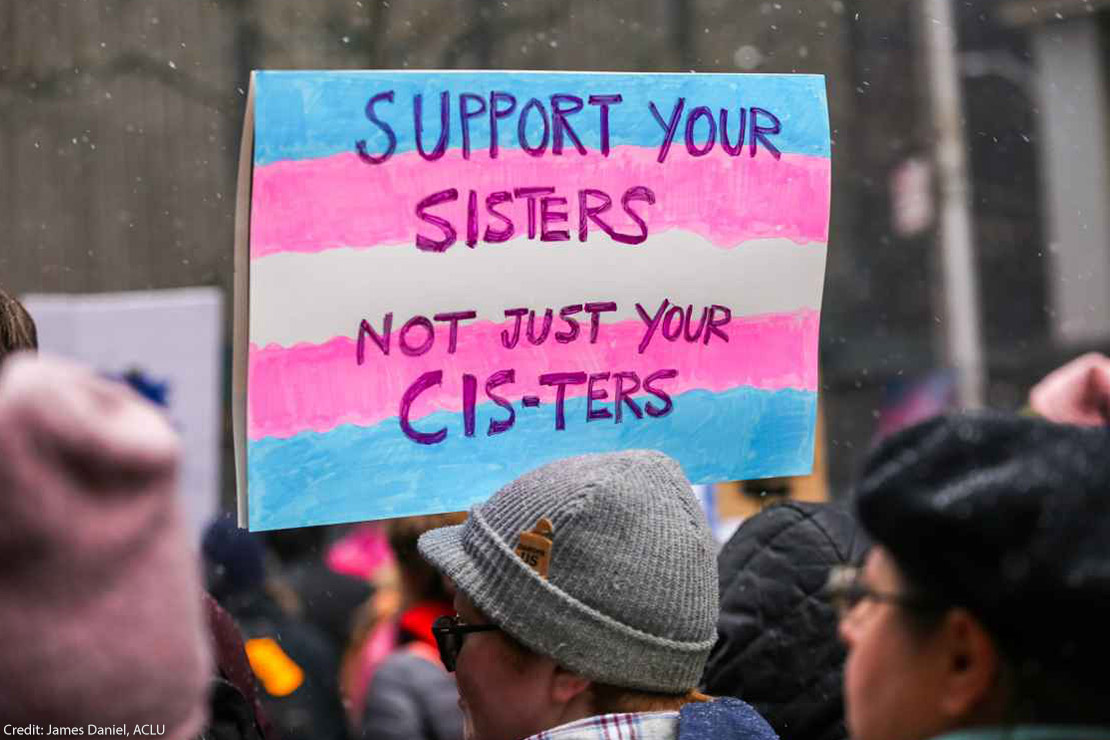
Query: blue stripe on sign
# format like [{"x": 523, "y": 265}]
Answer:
[
  {"x": 303, "y": 115},
  {"x": 356, "y": 473}
]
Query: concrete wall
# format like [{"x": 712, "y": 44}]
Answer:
[{"x": 1073, "y": 83}]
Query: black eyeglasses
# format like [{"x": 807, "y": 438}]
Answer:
[
  {"x": 449, "y": 633},
  {"x": 845, "y": 589}
]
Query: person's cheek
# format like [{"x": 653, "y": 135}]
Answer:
[
  {"x": 857, "y": 689},
  {"x": 462, "y": 684}
]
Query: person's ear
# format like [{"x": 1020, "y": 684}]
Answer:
[
  {"x": 567, "y": 686},
  {"x": 971, "y": 666}
]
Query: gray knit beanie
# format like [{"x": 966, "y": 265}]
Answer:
[{"x": 630, "y": 594}]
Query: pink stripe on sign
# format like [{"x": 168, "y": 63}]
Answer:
[
  {"x": 339, "y": 201},
  {"x": 319, "y": 387}
]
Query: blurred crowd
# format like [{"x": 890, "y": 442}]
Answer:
[{"x": 964, "y": 590}]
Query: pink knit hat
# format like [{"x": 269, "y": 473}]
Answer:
[{"x": 100, "y": 609}]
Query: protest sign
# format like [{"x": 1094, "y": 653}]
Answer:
[
  {"x": 167, "y": 345},
  {"x": 446, "y": 279}
]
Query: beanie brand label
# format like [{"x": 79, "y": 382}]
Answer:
[{"x": 534, "y": 547}]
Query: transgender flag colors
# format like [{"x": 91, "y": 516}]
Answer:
[{"x": 456, "y": 277}]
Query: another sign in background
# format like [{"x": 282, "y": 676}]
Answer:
[
  {"x": 455, "y": 277},
  {"x": 167, "y": 345}
]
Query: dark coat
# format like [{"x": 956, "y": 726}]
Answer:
[
  {"x": 777, "y": 646},
  {"x": 313, "y": 711},
  {"x": 234, "y": 708}
]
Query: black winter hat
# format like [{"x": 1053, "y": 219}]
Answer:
[
  {"x": 1008, "y": 517},
  {"x": 777, "y": 647}
]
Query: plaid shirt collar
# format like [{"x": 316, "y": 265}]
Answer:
[{"x": 638, "y": 726}]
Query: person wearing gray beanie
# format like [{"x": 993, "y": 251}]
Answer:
[
  {"x": 586, "y": 599},
  {"x": 983, "y": 606}
]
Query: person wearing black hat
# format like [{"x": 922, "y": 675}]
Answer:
[
  {"x": 984, "y": 605},
  {"x": 776, "y": 636}
]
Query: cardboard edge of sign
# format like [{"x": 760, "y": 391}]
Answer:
[{"x": 241, "y": 308}]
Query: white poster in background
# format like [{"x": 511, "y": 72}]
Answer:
[{"x": 167, "y": 344}]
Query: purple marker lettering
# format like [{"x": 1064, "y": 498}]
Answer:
[
  {"x": 625, "y": 395},
  {"x": 454, "y": 317},
  {"x": 472, "y": 219},
  {"x": 691, "y": 120},
  {"x": 449, "y": 234},
  {"x": 596, "y": 394},
  {"x": 429, "y": 336},
  {"x": 669, "y": 127},
  {"x": 690, "y": 320},
  {"x": 444, "y": 125},
  {"x": 565, "y": 314},
  {"x": 506, "y": 342},
  {"x": 759, "y": 133},
  {"x": 561, "y": 381},
  {"x": 522, "y": 128},
  {"x": 639, "y": 192},
  {"x": 501, "y": 377},
  {"x": 668, "y": 405},
  {"x": 423, "y": 383},
  {"x": 595, "y": 310},
  {"x": 559, "y": 121},
  {"x": 549, "y": 217},
  {"x": 588, "y": 213},
  {"x": 382, "y": 340},
  {"x": 470, "y": 394},
  {"x": 604, "y": 101},
  {"x": 715, "y": 324},
  {"x": 465, "y": 114},
  {"x": 360, "y": 145},
  {"x": 532, "y": 327},
  {"x": 652, "y": 323},
  {"x": 668, "y": 323},
  {"x": 501, "y": 235},
  {"x": 532, "y": 195},
  {"x": 496, "y": 113},
  {"x": 739, "y": 146}
]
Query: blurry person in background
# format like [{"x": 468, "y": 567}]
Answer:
[
  {"x": 235, "y": 712},
  {"x": 296, "y": 665},
  {"x": 311, "y": 590},
  {"x": 409, "y": 694},
  {"x": 17, "y": 328},
  {"x": 983, "y": 606},
  {"x": 291, "y": 547},
  {"x": 586, "y": 606},
  {"x": 329, "y": 601},
  {"x": 777, "y": 646},
  {"x": 101, "y": 621}
]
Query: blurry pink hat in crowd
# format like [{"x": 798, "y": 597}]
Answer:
[
  {"x": 361, "y": 552},
  {"x": 100, "y": 610}
]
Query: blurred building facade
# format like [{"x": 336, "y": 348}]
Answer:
[
  {"x": 120, "y": 121},
  {"x": 1070, "y": 43}
]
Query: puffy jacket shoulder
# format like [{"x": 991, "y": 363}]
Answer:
[
  {"x": 411, "y": 698},
  {"x": 777, "y": 646}
]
